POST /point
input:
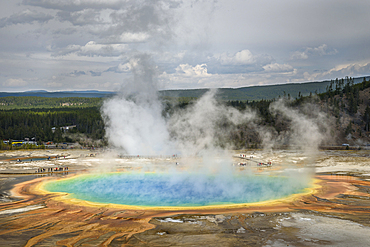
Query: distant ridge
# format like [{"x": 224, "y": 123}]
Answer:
[
  {"x": 60, "y": 94},
  {"x": 36, "y": 91},
  {"x": 266, "y": 92}
]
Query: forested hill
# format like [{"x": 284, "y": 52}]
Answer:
[
  {"x": 61, "y": 94},
  {"x": 349, "y": 104},
  {"x": 293, "y": 90},
  {"x": 256, "y": 92},
  {"x": 290, "y": 90}
]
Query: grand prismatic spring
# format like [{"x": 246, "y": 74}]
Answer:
[{"x": 176, "y": 190}]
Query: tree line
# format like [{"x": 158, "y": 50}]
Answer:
[
  {"x": 38, "y": 123},
  {"x": 33, "y": 102}
]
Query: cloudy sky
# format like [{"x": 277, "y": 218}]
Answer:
[{"x": 92, "y": 44}]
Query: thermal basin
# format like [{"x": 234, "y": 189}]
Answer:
[{"x": 165, "y": 189}]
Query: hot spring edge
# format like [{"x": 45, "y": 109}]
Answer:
[{"x": 179, "y": 190}]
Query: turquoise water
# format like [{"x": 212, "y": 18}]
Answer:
[
  {"x": 164, "y": 189},
  {"x": 33, "y": 159}
]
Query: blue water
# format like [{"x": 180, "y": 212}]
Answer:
[
  {"x": 163, "y": 189},
  {"x": 33, "y": 159}
]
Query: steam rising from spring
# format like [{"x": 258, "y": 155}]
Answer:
[
  {"x": 134, "y": 117},
  {"x": 205, "y": 126},
  {"x": 136, "y": 125},
  {"x": 308, "y": 126}
]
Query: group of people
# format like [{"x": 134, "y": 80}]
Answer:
[
  {"x": 51, "y": 169},
  {"x": 265, "y": 164},
  {"x": 245, "y": 156}
]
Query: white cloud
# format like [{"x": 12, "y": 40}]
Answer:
[
  {"x": 299, "y": 55},
  {"x": 242, "y": 61},
  {"x": 340, "y": 71},
  {"x": 275, "y": 67},
  {"x": 133, "y": 37},
  {"x": 93, "y": 49},
  {"x": 322, "y": 50},
  {"x": 187, "y": 70},
  {"x": 187, "y": 76},
  {"x": 350, "y": 70},
  {"x": 244, "y": 57},
  {"x": 241, "y": 57}
]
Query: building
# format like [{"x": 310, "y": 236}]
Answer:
[{"x": 64, "y": 128}]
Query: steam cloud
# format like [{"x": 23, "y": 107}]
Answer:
[
  {"x": 308, "y": 128},
  {"x": 135, "y": 124},
  {"x": 134, "y": 117}
]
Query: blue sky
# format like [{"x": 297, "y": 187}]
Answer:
[{"x": 92, "y": 44}]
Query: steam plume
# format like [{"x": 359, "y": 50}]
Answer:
[
  {"x": 134, "y": 121},
  {"x": 308, "y": 126}
]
